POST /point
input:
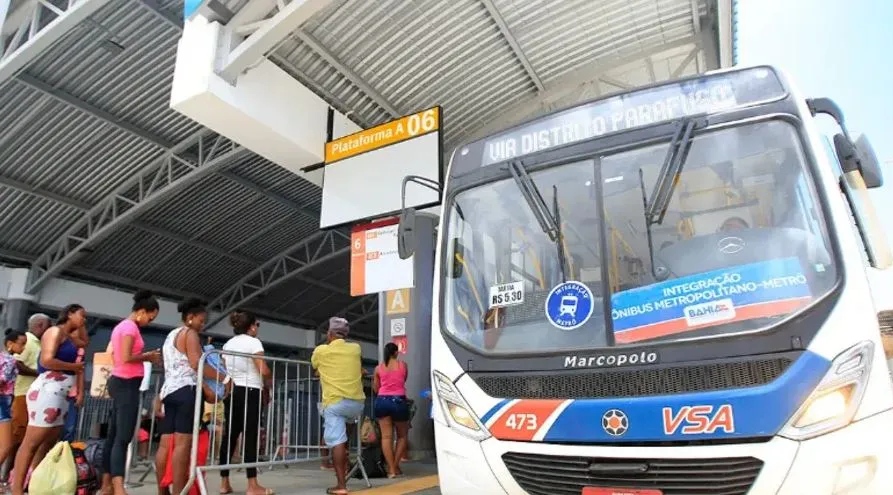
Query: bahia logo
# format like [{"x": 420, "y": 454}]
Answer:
[{"x": 709, "y": 312}]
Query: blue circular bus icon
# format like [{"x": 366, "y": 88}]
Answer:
[{"x": 569, "y": 305}]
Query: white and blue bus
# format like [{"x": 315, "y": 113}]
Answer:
[{"x": 663, "y": 292}]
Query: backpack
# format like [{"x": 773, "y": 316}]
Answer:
[
  {"x": 88, "y": 480},
  {"x": 93, "y": 454},
  {"x": 374, "y": 463}
]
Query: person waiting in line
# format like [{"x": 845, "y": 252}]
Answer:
[
  {"x": 76, "y": 396},
  {"x": 391, "y": 407},
  {"x": 124, "y": 387},
  {"x": 339, "y": 364},
  {"x": 27, "y": 364},
  {"x": 14, "y": 343},
  {"x": 47, "y": 395},
  {"x": 181, "y": 352},
  {"x": 242, "y": 409}
]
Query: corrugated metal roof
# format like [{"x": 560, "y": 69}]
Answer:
[{"x": 93, "y": 110}]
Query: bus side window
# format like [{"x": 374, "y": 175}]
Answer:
[{"x": 838, "y": 171}]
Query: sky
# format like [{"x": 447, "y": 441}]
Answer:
[{"x": 839, "y": 49}]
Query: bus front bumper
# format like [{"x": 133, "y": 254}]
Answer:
[{"x": 856, "y": 460}]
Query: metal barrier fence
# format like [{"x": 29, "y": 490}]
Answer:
[
  {"x": 285, "y": 423},
  {"x": 93, "y": 421},
  {"x": 290, "y": 425}
]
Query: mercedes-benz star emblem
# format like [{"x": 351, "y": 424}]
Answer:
[
  {"x": 730, "y": 245},
  {"x": 615, "y": 422}
]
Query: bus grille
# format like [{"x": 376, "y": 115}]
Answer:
[
  {"x": 633, "y": 383},
  {"x": 554, "y": 475}
]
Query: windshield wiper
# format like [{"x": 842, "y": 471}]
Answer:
[
  {"x": 559, "y": 244},
  {"x": 548, "y": 220},
  {"x": 674, "y": 160},
  {"x": 656, "y": 207}
]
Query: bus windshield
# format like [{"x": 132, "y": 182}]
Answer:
[{"x": 741, "y": 244}]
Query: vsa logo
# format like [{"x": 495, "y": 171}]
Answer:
[
  {"x": 710, "y": 312},
  {"x": 698, "y": 420}
]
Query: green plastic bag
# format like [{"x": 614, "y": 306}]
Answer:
[{"x": 56, "y": 474}]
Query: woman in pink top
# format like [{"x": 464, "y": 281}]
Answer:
[
  {"x": 124, "y": 388},
  {"x": 391, "y": 407}
]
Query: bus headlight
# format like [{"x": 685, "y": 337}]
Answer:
[
  {"x": 834, "y": 402},
  {"x": 456, "y": 411}
]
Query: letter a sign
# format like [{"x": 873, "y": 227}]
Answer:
[{"x": 397, "y": 301}]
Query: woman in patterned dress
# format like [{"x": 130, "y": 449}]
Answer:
[
  {"x": 48, "y": 396},
  {"x": 14, "y": 343}
]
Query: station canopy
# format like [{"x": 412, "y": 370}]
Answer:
[{"x": 100, "y": 180}]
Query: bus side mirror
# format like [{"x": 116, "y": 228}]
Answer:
[
  {"x": 406, "y": 234},
  {"x": 826, "y": 106},
  {"x": 859, "y": 157},
  {"x": 868, "y": 163}
]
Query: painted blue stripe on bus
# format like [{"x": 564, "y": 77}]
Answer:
[
  {"x": 757, "y": 411},
  {"x": 493, "y": 410}
]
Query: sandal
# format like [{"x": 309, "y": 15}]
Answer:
[{"x": 336, "y": 491}]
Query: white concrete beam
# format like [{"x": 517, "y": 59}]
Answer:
[{"x": 265, "y": 110}]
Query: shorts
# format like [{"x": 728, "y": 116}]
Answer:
[
  {"x": 48, "y": 399},
  {"x": 5, "y": 408},
  {"x": 179, "y": 412},
  {"x": 19, "y": 418},
  {"x": 335, "y": 418},
  {"x": 395, "y": 407}
]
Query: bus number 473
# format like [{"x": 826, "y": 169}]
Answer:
[{"x": 522, "y": 421}]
